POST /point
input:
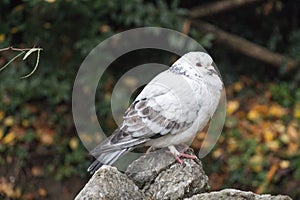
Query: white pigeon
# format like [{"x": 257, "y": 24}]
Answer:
[{"x": 170, "y": 110}]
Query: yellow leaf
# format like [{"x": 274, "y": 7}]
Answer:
[
  {"x": 284, "y": 164},
  {"x": 73, "y": 143},
  {"x": 232, "y": 145},
  {"x": 268, "y": 135},
  {"x": 237, "y": 86},
  {"x": 9, "y": 138},
  {"x": 273, "y": 145},
  {"x": 285, "y": 138},
  {"x": 217, "y": 153},
  {"x": 2, "y": 114},
  {"x": 232, "y": 106},
  {"x": 9, "y": 121},
  {"x": 253, "y": 115},
  {"x": 297, "y": 110},
  {"x": 256, "y": 159},
  {"x": 262, "y": 109},
  {"x": 256, "y": 162},
  {"x": 2, "y": 37},
  {"x": 25, "y": 123},
  {"x": 279, "y": 127},
  {"x": 277, "y": 111},
  {"x": 1, "y": 132}
]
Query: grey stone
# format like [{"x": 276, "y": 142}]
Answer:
[
  {"x": 233, "y": 194},
  {"x": 160, "y": 176},
  {"x": 157, "y": 175},
  {"x": 109, "y": 183}
]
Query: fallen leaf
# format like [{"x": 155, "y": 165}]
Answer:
[
  {"x": 9, "y": 121},
  {"x": 277, "y": 111},
  {"x": 37, "y": 171},
  {"x": 25, "y": 123},
  {"x": 9, "y": 138},
  {"x": 297, "y": 110},
  {"x": 73, "y": 143},
  {"x": 1, "y": 132},
  {"x": 46, "y": 135},
  {"x": 232, "y": 106},
  {"x": 268, "y": 135},
  {"x": 217, "y": 153},
  {"x": 7, "y": 188},
  {"x": 254, "y": 115},
  {"x": 2, "y": 114},
  {"x": 232, "y": 144},
  {"x": 238, "y": 86},
  {"x": 285, "y": 138},
  {"x": 42, "y": 192},
  {"x": 256, "y": 162},
  {"x": 292, "y": 149},
  {"x": 292, "y": 132},
  {"x": 273, "y": 145},
  {"x": 279, "y": 127},
  {"x": 284, "y": 164},
  {"x": 271, "y": 173}
]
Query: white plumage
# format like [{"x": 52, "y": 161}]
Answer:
[{"x": 170, "y": 110}]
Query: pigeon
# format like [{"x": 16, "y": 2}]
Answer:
[{"x": 169, "y": 111}]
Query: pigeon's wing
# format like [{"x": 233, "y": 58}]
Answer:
[{"x": 161, "y": 108}]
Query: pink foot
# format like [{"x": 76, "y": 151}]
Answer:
[{"x": 177, "y": 154}]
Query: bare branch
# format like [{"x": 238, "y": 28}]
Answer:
[
  {"x": 217, "y": 7},
  {"x": 15, "y": 49},
  {"x": 244, "y": 46},
  {"x": 22, "y": 51}
]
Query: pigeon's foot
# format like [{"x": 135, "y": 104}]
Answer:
[{"x": 178, "y": 154}]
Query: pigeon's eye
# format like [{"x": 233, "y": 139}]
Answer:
[{"x": 198, "y": 64}]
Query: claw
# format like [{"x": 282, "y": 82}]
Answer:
[{"x": 177, "y": 154}]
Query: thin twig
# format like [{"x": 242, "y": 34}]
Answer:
[
  {"x": 14, "y": 58},
  {"x": 28, "y": 53},
  {"x": 15, "y": 49},
  {"x": 36, "y": 64}
]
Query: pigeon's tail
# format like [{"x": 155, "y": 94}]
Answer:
[{"x": 106, "y": 158}]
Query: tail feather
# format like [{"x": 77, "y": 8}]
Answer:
[{"x": 106, "y": 158}]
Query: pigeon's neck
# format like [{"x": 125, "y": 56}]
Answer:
[{"x": 177, "y": 68}]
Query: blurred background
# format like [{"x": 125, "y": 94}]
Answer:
[{"x": 255, "y": 44}]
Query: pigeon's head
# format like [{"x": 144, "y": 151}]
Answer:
[
  {"x": 196, "y": 65},
  {"x": 198, "y": 59}
]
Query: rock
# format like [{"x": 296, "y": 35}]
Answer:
[
  {"x": 233, "y": 194},
  {"x": 160, "y": 176},
  {"x": 109, "y": 183},
  {"x": 157, "y": 175}
]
